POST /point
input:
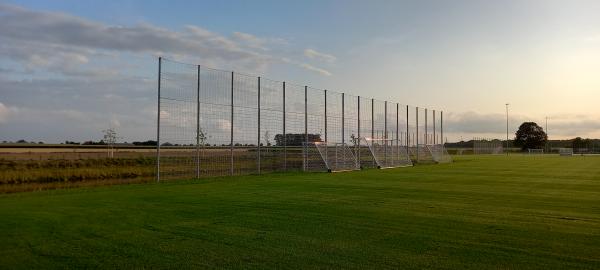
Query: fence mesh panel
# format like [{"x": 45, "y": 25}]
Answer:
[{"x": 215, "y": 122}]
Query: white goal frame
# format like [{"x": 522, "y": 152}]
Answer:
[
  {"x": 387, "y": 153},
  {"x": 439, "y": 153},
  {"x": 536, "y": 151},
  {"x": 565, "y": 151},
  {"x": 337, "y": 157}
]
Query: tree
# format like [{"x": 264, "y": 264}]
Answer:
[
  {"x": 530, "y": 136},
  {"x": 110, "y": 136}
]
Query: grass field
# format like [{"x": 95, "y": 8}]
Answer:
[{"x": 493, "y": 212}]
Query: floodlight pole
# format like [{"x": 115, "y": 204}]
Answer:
[
  {"x": 507, "y": 128},
  {"x": 158, "y": 124},
  {"x": 549, "y": 149}
]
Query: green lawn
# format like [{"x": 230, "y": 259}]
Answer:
[{"x": 489, "y": 212}]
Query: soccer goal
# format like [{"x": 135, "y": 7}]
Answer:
[
  {"x": 439, "y": 153},
  {"x": 565, "y": 151},
  {"x": 387, "y": 153},
  {"x": 487, "y": 146},
  {"x": 536, "y": 151},
  {"x": 335, "y": 157},
  {"x": 421, "y": 154}
]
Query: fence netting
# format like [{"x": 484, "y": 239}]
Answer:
[{"x": 214, "y": 122}]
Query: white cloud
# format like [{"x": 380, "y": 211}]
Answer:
[
  {"x": 51, "y": 39},
  {"x": 312, "y": 54},
  {"x": 316, "y": 69},
  {"x": 4, "y": 113}
]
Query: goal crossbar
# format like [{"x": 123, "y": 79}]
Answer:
[
  {"x": 337, "y": 157},
  {"x": 387, "y": 153}
]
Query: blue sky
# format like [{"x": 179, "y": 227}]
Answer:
[{"x": 65, "y": 76}]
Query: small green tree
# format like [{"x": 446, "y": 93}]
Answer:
[{"x": 530, "y": 136}]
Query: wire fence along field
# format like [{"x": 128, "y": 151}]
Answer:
[{"x": 213, "y": 122}]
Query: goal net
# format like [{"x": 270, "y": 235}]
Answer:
[
  {"x": 536, "y": 151},
  {"x": 485, "y": 146},
  {"x": 421, "y": 154},
  {"x": 565, "y": 151},
  {"x": 334, "y": 157},
  {"x": 388, "y": 153},
  {"x": 439, "y": 153}
]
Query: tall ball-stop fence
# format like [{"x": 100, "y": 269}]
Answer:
[{"x": 214, "y": 122}]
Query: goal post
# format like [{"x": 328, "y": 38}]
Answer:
[
  {"x": 439, "y": 153},
  {"x": 565, "y": 151},
  {"x": 387, "y": 153},
  {"x": 535, "y": 151},
  {"x": 333, "y": 157}
]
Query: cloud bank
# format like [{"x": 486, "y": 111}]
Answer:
[{"x": 55, "y": 66}]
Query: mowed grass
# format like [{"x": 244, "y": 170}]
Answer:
[{"x": 480, "y": 212}]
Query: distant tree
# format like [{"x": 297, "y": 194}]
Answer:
[
  {"x": 579, "y": 143},
  {"x": 21, "y": 141},
  {"x": 202, "y": 136},
  {"x": 146, "y": 143},
  {"x": 110, "y": 136},
  {"x": 40, "y": 142},
  {"x": 295, "y": 139},
  {"x": 267, "y": 138},
  {"x": 354, "y": 139},
  {"x": 530, "y": 136}
]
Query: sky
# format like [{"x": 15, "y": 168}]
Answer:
[{"x": 69, "y": 69}]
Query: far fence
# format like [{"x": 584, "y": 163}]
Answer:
[
  {"x": 213, "y": 122},
  {"x": 482, "y": 146}
]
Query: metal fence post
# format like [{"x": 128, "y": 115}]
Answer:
[
  {"x": 434, "y": 134},
  {"x": 417, "y": 131},
  {"x": 407, "y": 133},
  {"x": 385, "y": 131},
  {"x": 231, "y": 127},
  {"x": 326, "y": 148},
  {"x": 442, "y": 127},
  {"x": 158, "y": 124},
  {"x": 305, "y": 126},
  {"x": 325, "y": 94},
  {"x": 343, "y": 118},
  {"x": 198, "y": 126},
  {"x": 373, "y": 124},
  {"x": 426, "y": 138},
  {"x": 343, "y": 132},
  {"x": 258, "y": 133},
  {"x": 397, "y": 131},
  {"x": 284, "y": 137},
  {"x": 358, "y": 137}
]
